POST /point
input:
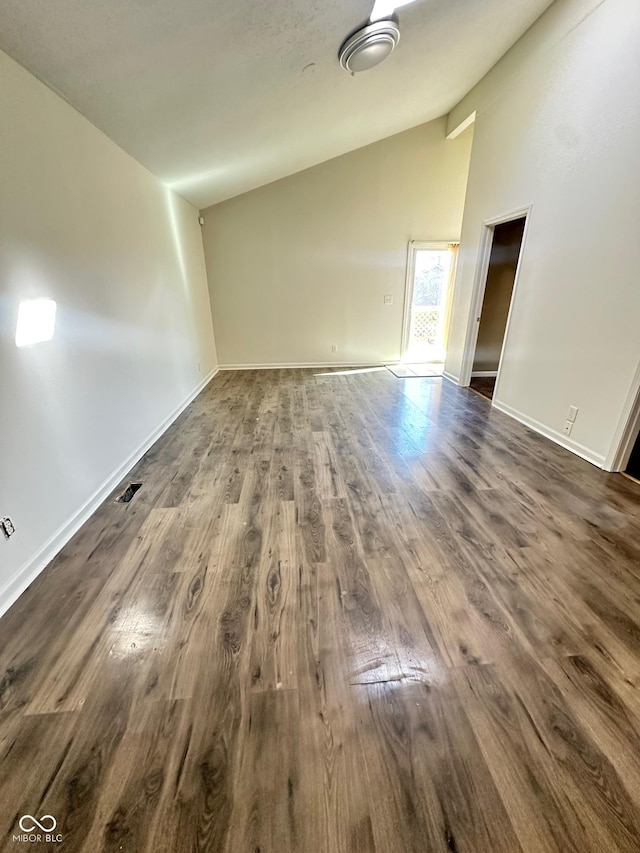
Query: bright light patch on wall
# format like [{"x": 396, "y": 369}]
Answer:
[
  {"x": 36, "y": 322},
  {"x": 383, "y": 9}
]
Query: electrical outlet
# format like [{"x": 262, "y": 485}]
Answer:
[
  {"x": 573, "y": 414},
  {"x": 334, "y": 348},
  {"x": 388, "y": 299},
  {"x": 568, "y": 427},
  {"x": 7, "y": 527}
]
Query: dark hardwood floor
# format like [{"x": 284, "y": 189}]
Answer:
[
  {"x": 484, "y": 385},
  {"x": 343, "y": 613}
]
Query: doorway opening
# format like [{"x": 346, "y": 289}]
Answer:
[
  {"x": 427, "y": 305},
  {"x": 496, "y": 278},
  {"x": 632, "y": 468},
  {"x": 624, "y": 455},
  {"x": 498, "y": 292}
]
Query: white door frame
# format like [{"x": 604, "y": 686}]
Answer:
[
  {"x": 413, "y": 247},
  {"x": 480, "y": 284},
  {"x": 627, "y": 430}
]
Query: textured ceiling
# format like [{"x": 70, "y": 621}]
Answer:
[{"x": 217, "y": 98}]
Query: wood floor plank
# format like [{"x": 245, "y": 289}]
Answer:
[
  {"x": 429, "y": 786},
  {"x": 111, "y": 625},
  {"x": 276, "y": 608},
  {"x": 268, "y": 811},
  {"x": 131, "y": 795},
  {"x": 561, "y": 792},
  {"x": 611, "y": 724}
]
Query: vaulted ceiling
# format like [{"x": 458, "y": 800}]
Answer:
[{"x": 217, "y": 98}]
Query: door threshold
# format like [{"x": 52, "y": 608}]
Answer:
[
  {"x": 629, "y": 477},
  {"x": 426, "y": 370}
]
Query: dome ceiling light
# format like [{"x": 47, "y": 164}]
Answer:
[{"x": 371, "y": 45}]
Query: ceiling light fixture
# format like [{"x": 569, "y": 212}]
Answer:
[{"x": 371, "y": 45}]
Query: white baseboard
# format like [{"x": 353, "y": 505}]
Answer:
[
  {"x": 304, "y": 364},
  {"x": 25, "y": 576},
  {"x": 552, "y": 434},
  {"x": 451, "y": 378},
  {"x": 487, "y": 373}
]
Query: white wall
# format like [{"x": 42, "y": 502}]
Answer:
[
  {"x": 558, "y": 126},
  {"x": 304, "y": 263},
  {"x": 85, "y": 225}
]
